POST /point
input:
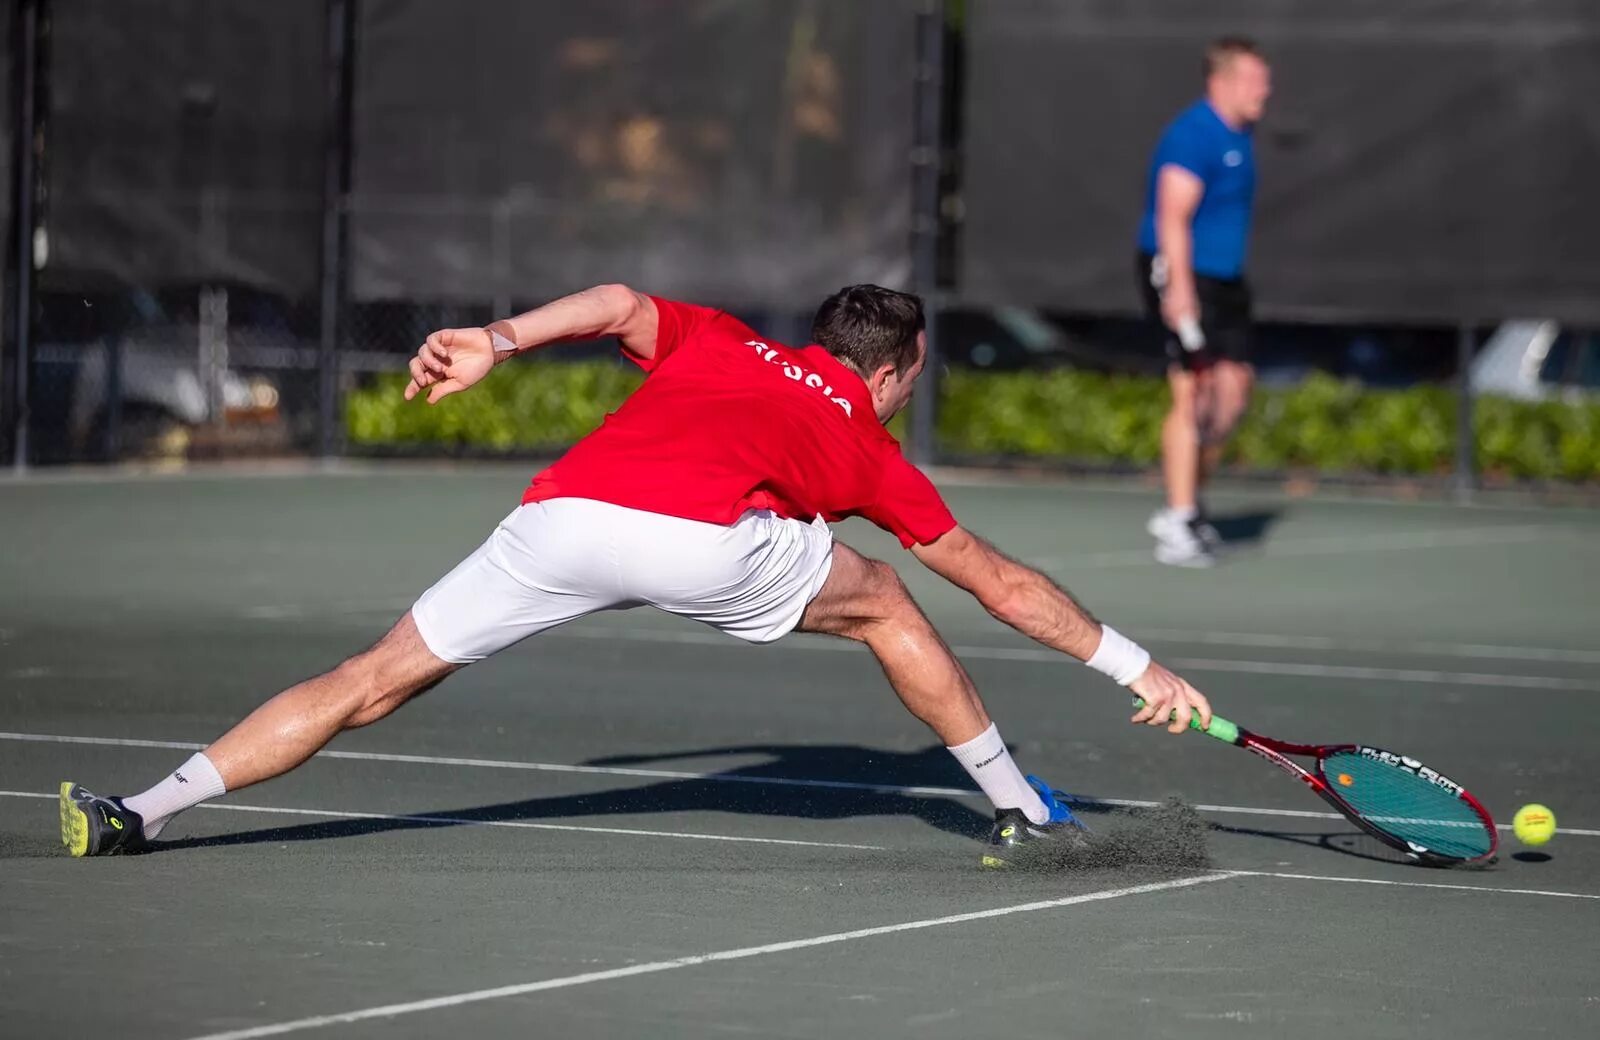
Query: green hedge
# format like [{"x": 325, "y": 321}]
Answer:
[
  {"x": 1323, "y": 424},
  {"x": 534, "y": 405}
]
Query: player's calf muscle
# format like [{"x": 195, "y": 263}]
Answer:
[
  {"x": 384, "y": 695},
  {"x": 376, "y": 681},
  {"x": 371, "y": 699}
]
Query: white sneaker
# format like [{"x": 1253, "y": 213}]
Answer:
[{"x": 1177, "y": 542}]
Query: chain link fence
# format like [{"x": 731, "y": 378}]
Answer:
[{"x": 245, "y": 212}]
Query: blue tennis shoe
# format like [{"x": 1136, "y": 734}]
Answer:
[{"x": 1018, "y": 841}]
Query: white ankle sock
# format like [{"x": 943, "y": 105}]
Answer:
[
  {"x": 1184, "y": 513},
  {"x": 188, "y": 785},
  {"x": 987, "y": 761}
]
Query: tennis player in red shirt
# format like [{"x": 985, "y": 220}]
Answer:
[{"x": 707, "y": 494}]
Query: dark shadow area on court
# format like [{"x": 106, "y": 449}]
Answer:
[
  {"x": 1348, "y": 843},
  {"x": 755, "y": 790},
  {"x": 1245, "y": 530}
]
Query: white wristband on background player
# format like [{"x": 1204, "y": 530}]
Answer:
[
  {"x": 1119, "y": 657},
  {"x": 1190, "y": 335}
]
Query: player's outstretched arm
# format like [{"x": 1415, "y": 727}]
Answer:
[
  {"x": 451, "y": 360},
  {"x": 1037, "y": 607},
  {"x": 605, "y": 310}
]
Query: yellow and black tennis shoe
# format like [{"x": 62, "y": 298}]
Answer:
[
  {"x": 1016, "y": 841},
  {"x": 96, "y": 826}
]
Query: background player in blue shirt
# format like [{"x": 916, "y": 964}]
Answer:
[{"x": 1191, "y": 272}]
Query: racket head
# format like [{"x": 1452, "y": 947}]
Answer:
[{"x": 1407, "y": 805}]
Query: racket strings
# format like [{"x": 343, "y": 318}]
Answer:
[{"x": 1408, "y": 806}]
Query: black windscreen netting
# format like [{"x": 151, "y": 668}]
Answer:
[
  {"x": 186, "y": 143},
  {"x": 8, "y": 55},
  {"x": 747, "y": 152},
  {"x": 1427, "y": 161}
]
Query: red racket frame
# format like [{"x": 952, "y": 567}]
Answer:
[{"x": 1274, "y": 751}]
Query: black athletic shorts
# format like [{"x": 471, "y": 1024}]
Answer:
[{"x": 1224, "y": 316}]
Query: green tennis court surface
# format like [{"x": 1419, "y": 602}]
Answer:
[{"x": 634, "y": 827}]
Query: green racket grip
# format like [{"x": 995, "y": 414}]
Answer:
[{"x": 1221, "y": 728}]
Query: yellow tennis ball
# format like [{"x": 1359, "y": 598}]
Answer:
[{"x": 1534, "y": 824}]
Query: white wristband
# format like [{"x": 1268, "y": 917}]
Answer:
[
  {"x": 1189, "y": 334},
  {"x": 1119, "y": 657}
]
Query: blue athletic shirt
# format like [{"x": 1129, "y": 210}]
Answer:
[{"x": 1200, "y": 142}]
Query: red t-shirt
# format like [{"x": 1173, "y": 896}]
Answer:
[{"x": 727, "y": 422}]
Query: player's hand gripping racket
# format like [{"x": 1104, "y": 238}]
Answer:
[{"x": 1396, "y": 799}]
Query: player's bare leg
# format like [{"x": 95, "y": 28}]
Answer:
[
  {"x": 865, "y": 600},
  {"x": 1231, "y": 385},
  {"x": 275, "y": 738},
  {"x": 1226, "y": 400},
  {"x": 1180, "y": 440},
  {"x": 1173, "y": 527},
  {"x": 291, "y": 727}
]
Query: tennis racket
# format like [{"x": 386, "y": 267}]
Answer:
[{"x": 1396, "y": 799}]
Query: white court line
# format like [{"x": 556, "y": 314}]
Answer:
[
  {"x": 734, "y": 778},
  {"x": 1336, "y": 545},
  {"x": 566, "y": 982},
  {"x": 1198, "y": 664},
  {"x": 1417, "y": 648},
  {"x": 1071, "y": 484},
  {"x": 1416, "y": 884},
  {"x": 542, "y": 767},
  {"x": 1247, "y": 493},
  {"x": 462, "y": 821},
  {"x": 1410, "y": 675},
  {"x": 339, "y": 608},
  {"x": 321, "y": 469},
  {"x": 1491, "y": 651},
  {"x": 878, "y": 848},
  {"x": 1437, "y": 539}
]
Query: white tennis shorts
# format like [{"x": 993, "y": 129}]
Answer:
[{"x": 552, "y": 562}]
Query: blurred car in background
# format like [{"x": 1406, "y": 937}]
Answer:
[
  {"x": 150, "y": 394},
  {"x": 1014, "y": 338},
  {"x": 189, "y": 371},
  {"x": 1538, "y": 360}
]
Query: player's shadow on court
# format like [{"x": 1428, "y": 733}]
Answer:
[
  {"x": 1245, "y": 530},
  {"x": 1345, "y": 842},
  {"x": 777, "y": 786}
]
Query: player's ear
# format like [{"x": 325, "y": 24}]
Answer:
[{"x": 881, "y": 378}]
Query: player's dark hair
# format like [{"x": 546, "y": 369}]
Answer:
[
  {"x": 1226, "y": 48},
  {"x": 868, "y": 326}
]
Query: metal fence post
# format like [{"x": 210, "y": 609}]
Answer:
[
  {"x": 925, "y": 143},
  {"x": 30, "y": 36},
  {"x": 338, "y": 80},
  {"x": 111, "y": 431},
  {"x": 213, "y": 358},
  {"x": 1466, "y": 435}
]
